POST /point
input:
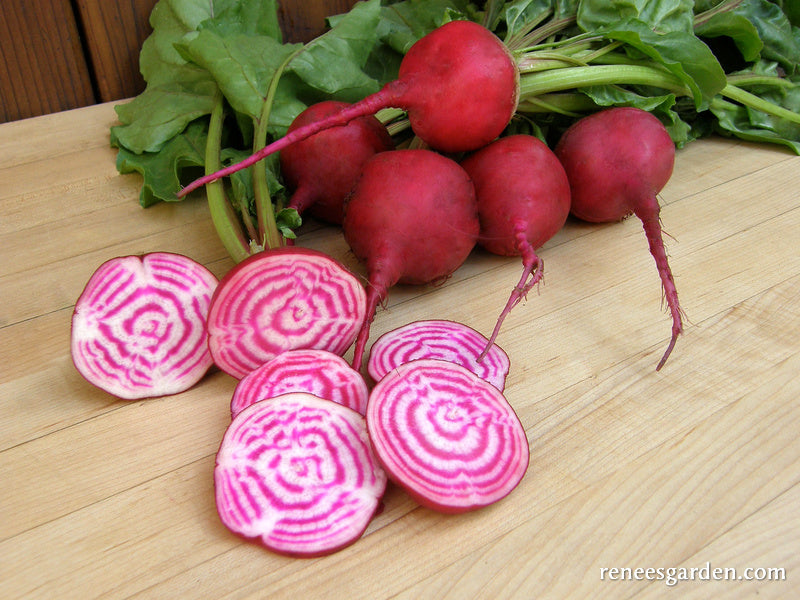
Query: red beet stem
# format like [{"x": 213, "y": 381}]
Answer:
[
  {"x": 302, "y": 198},
  {"x": 532, "y": 273},
  {"x": 384, "y": 98},
  {"x": 648, "y": 212},
  {"x": 376, "y": 293}
]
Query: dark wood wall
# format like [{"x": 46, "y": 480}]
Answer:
[{"x": 61, "y": 54}]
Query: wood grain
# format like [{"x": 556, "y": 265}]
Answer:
[
  {"x": 42, "y": 69},
  {"x": 302, "y": 21},
  {"x": 114, "y": 34},
  {"x": 116, "y": 30},
  {"x": 61, "y": 55},
  {"x": 696, "y": 464}
]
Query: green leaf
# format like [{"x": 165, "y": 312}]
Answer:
[
  {"x": 791, "y": 8},
  {"x": 171, "y": 20},
  {"x": 660, "y": 105},
  {"x": 661, "y": 16},
  {"x": 288, "y": 219},
  {"x": 747, "y": 122},
  {"x": 163, "y": 110},
  {"x": 229, "y": 156},
  {"x": 242, "y": 65},
  {"x": 242, "y": 181},
  {"x": 162, "y": 170},
  {"x": 737, "y": 27},
  {"x": 177, "y": 93},
  {"x": 520, "y": 13},
  {"x": 246, "y": 17},
  {"x": 734, "y": 119},
  {"x": 333, "y": 63},
  {"x": 403, "y": 23},
  {"x": 681, "y": 53},
  {"x": 781, "y": 40}
]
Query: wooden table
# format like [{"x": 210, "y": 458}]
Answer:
[{"x": 693, "y": 467}]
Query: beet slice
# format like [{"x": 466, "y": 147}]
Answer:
[
  {"x": 298, "y": 473},
  {"x": 316, "y": 372},
  {"x": 283, "y": 299},
  {"x": 441, "y": 339},
  {"x": 139, "y": 326},
  {"x": 449, "y": 438}
]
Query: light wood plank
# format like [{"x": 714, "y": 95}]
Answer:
[
  {"x": 736, "y": 473},
  {"x": 112, "y": 499}
]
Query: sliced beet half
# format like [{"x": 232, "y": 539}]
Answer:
[
  {"x": 283, "y": 299},
  {"x": 445, "y": 435},
  {"x": 441, "y": 339},
  {"x": 298, "y": 473},
  {"x": 316, "y": 372},
  {"x": 139, "y": 326}
]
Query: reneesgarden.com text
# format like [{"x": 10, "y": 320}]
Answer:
[{"x": 673, "y": 575}]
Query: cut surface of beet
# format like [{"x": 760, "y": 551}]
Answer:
[
  {"x": 449, "y": 438},
  {"x": 298, "y": 473},
  {"x": 438, "y": 339},
  {"x": 283, "y": 299},
  {"x": 139, "y": 326},
  {"x": 316, "y": 372}
]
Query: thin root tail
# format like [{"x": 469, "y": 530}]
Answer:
[{"x": 532, "y": 274}]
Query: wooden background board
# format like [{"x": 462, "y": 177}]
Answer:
[
  {"x": 631, "y": 468},
  {"x": 43, "y": 68},
  {"x": 58, "y": 55}
]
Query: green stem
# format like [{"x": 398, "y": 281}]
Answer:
[
  {"x": 269, "y": 236},
  {"x": 387, "y": 115},
  {"x": 519, "y": 39},
  {"x": 746, "y": 79},
  {"x": 753, "y": 101},
  {"x": 247, "y": 221},
  {"x": 563, "y": 103},
  {"x": 602, "y": 52},
  {"x": 397, "y": 127},
  {"x": 223, "y": 216},
  {"x": 547, "y": 62},
  {"x": 726, "y": 5},
  {"x": 265, "y": 210},
  {"x": 545, "y": 31},
  {"x": 491, "y": 14},
  {"x": 568, "y": 78},
  {"x": 580, "y": 53}
]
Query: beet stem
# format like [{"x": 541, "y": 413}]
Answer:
[
  {"x": 376, "y": 293},
  {"x": 533, "y": 269},
  {"x": 384, "y": 98},
  {"x": 302, "y": 198},
  {"x": 648, "y": 212}
]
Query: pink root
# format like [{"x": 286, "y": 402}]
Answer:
[
  {"x": 532, "y": 274},
  {"x": 648, "y": 213},
  {"x": 376, "y": 293},
  {"x": 368, "y": 106}
]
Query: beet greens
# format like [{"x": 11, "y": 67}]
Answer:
[{"x": 573, "y": 58}]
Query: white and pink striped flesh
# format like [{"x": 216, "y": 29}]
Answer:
[
  {"x": 298, "y": 473},
  {"x": 283, "y": 299},
  {"x": 316, "y": 372},
  {"x": 440, "y": 339},
  {"x": 139, "y": 326},
  {"x": 446, "y": 436}
]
